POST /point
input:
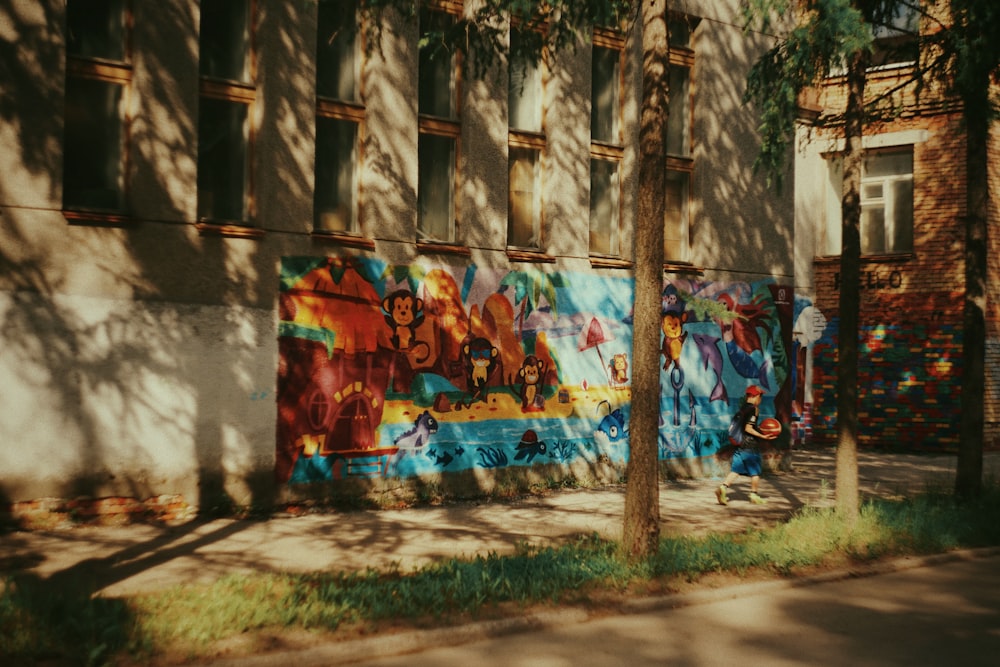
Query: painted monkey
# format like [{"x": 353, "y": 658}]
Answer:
[
  {"x": 403, "y": 313},
  {"x": 532, "y": 373},
  {"x": 619, "y": 369},
  {"x": 479, "y": 359}
]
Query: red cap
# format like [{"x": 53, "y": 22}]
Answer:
[{"x": 754, "y": 390}]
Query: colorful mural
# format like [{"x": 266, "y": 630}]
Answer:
[
  {"x": 399, "y": 371},
  {"x": 909, "y": 385},
  {"x": 719, "y": 338}
]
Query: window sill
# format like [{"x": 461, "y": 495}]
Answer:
[
  {"x": 228, "y": 230},
  {"x": 895, "y": 258},
  {"x": 683, "y": 268},
  {"x": 680, "y": 163},
  {"x": 534, "y": 256},
  {"x": 347, "y": 240},
  {"x": 428, "y": 247},
  {"x": 602, "y": 262},
  {"x": 97, "y": 219}
]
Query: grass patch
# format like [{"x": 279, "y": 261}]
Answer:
[{"x": 63, "y": 621}]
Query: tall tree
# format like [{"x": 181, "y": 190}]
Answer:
[
  {"x": 971, "y": 41},
  {"x": 850, "y": 290},
  {"x": 642, "y": 506},
  {"x": 822, "y": 35}
]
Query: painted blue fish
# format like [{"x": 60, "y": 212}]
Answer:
[
  {"x": 613, "y": 425},
  {"x": 712, "y": 356}
]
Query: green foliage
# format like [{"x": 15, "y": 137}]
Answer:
[
  {"x": 481, "y": 35},
  {"x": 972, "y": 43},
  {"x": 958, "y": 49},
  {"x": 823, "y": 36},
  {"x": 42, "y": 618}
]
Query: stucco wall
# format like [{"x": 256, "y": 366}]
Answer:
[{"x": 142, "y": 358}]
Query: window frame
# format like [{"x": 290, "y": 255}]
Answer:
[
  {"x": 534, "y": 140},
  {"x": 102, "y": 69},
  {"x": 609, "y": 150},
  {"x": 443, "y": 127},
  {"x": 833, "y": 218},
  {"x": 235, "y": 92},
  {"x": 893, "y": 42},
  {"x": 681, "y": 164},
  {"x": 329, "y": 108}
]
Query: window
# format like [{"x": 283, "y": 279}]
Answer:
[
  {"x": 339, "y": 119},
  {"x": 675, "y": 230},
  {"x": 526, "y": 142},
  {"x": 98, "y": 77},
  {"x": 896, "y": 41},
  {"x": 225, "y": 130},
  {"x": 680, "y": 161},
  {"x": 606, "y": 146},
  {"x": 437, "y": 147},
  {"x": 886, "y": 203}
]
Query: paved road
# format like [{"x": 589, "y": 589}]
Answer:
[{"x": 944, "y": 614}]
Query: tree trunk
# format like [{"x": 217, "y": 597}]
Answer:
[
  {"x": 969, "y": 475},
  {"x": 850, "y": 293},
  {"x": 641, "y": 534}
]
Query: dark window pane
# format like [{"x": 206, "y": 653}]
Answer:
[
  {"x": 888, "y": 163},
  {"x": 675, "y": 224},
  {"x": 93, "y": 149},
  {"x": 902, "y": 232},
  {"x": 605, "y": 90},
  {"x": 680, "y": 32},
  {"x": 436, "y": 190},
  {"x": 222, "y": 160},
  {"x": 897, "y": 41},
  {"x": 679, "y": 120},
  {"x": 96, "y": 29},
  {"x": 336, "y": 203},
  {"x": 224, "y": 41},
  {"x": 524, "y": 199},
  {"x": 524, "y": 93},
  {"x": 873, "y": 229},
  {"x": 604, "y": 207},
  {"x": 336, "y": 51},
  {"x": 437, "y": 67}
]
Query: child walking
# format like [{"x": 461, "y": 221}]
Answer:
[{"x": 746, "y": 459}]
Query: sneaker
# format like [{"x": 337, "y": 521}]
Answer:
[
  {"x": 720, "y": 495},
  {"x": 756, "y": 500}
]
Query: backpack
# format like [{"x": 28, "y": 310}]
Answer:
[{"x": 736, "y": 428}]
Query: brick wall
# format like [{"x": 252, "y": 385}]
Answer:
[
  {"x": 910, "y": 312},
  {"x": 57, "y": 513},
  {"x": 992, "y": 389}
]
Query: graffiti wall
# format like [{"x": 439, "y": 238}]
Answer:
[
  {"x": 399, "y": 371},
  {"x": 718, "y": 339},
  {"x": 909, "y": 385}
]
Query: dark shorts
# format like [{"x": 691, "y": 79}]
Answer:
[{"x": 746, "y": 462}]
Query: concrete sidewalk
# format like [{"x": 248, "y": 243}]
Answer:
[{"x": 125, "y": 560}]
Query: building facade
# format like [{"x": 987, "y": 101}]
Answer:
[
  {"x": 249, "y": 255},
  {"x": 913, "y": 199}
]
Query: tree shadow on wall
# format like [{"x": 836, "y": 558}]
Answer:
[{"x": 127, "y": 341}]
